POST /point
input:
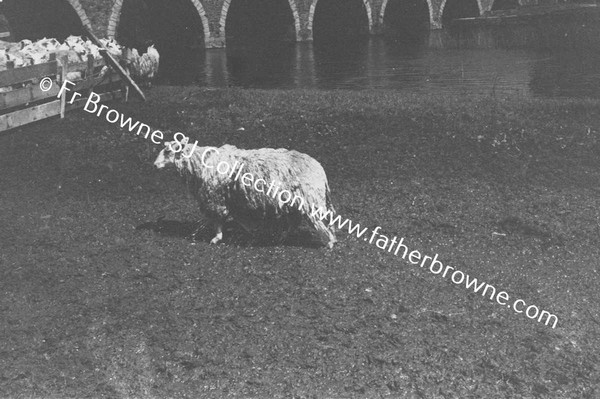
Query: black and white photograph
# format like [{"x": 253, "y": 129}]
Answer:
[{"x": 303, "y": 199}]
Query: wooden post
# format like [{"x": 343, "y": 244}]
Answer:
[
  {"x": 89, "y": 72},
  {"x": 63, "y": 61},
  {"x": 127, "y": 57}
]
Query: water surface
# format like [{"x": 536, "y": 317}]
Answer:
[{"x": 383, "y": 63}]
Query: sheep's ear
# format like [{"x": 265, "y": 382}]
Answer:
[{"x": 171, "y": 146}]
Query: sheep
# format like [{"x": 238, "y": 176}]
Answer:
[
  {"x": 27, "y": 52},
  {"x": 75, "y": 48},
  {"x": 49, "y": 44},
  {"x": 113, "y": 47},
  {"x": 144, "y": 67},
  {"x": 74, "y": 41},
  {"x": 4, "y": 58},
  {"x": 19, "y": 60},
  {"x": 93, "y": 49},
  {"x": 222, "y": 196},
  {"x": 24, "y": 43}
]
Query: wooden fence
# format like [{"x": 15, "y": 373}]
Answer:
[{"x": 22, "y": 101}]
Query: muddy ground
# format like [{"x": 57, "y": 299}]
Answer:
[{"x": 99, "y": 300}]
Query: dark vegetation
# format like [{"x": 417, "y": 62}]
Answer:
[
  {"x": 33, "y": 20},
  {"x": 506, "y": 189}
]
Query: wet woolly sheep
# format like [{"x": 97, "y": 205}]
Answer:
[{"x": 253, "y": 187}]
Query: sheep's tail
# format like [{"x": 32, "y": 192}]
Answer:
[{"x": 329, "y": 202}]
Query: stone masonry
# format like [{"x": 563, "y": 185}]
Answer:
[{"x": 104, "y": 16}]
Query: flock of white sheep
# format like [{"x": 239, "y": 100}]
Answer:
[{"x": 142, "y": 67}]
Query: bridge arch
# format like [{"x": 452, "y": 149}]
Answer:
[
  {"x": 80, "y": 12},
  {"x": 384, "y": 7},
  {"x": 313, "y": 7},
  {"x": 225, "y": 10},
  {"x": 23, "y": 22},
  {"x": 117, "y": 8}
]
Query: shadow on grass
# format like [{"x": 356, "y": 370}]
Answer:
[{"x": 232, "y": 234}]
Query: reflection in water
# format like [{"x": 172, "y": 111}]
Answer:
[
  {"x": 380, "y": 64},
  {"x": 375, "y": 63},
  {"x": 260, "y": 65},
  {"x": 340, "y": 63}
]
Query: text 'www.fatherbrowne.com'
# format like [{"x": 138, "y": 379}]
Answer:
[
  {"x": 382, "y": 242},
  {"x": 458, "y": 277}
]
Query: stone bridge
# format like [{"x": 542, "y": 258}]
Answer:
[{"x": 210, "y": 22}]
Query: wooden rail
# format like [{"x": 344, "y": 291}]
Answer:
[{"x": 22, "y": 101}]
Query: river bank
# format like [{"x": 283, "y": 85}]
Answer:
[{"x": 504, "y": 188}]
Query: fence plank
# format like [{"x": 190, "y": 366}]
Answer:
[
  {"x": 80, "y": 66},
  {"x": 23, "y": 74},
  {"x": 26, "y": 95},
  {"x": 23, "y": 96},
  {"x": 25, "y": 116},
  {"x": 96, "y": 82}
]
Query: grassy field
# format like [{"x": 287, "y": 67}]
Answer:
[{"x": 98, "y": 300}]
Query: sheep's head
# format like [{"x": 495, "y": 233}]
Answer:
[
  {"x": 72, "y": 40},
  {"x": 168, "y": 156},
  {"x": 79, "y": 49},
  {"x": 153, "y": 52},
  {"x": 25, "y": 42}
]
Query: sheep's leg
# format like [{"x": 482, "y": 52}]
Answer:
[
  {"x": 332, "y": 240},
  {"x": 198, "y": 229},
  {"x": 219, "y": 236},
  {"x": 288, "y": 231},
  {"x": 324, "y": 230},
  {"x": 332, "y": 237},
  {"x": 330, "y": 232},
  {"x": 245, "y": 226},
  {"x": 293, "y": 222}
]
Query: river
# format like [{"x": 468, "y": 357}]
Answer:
[{"x": 383, "y": 63}]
